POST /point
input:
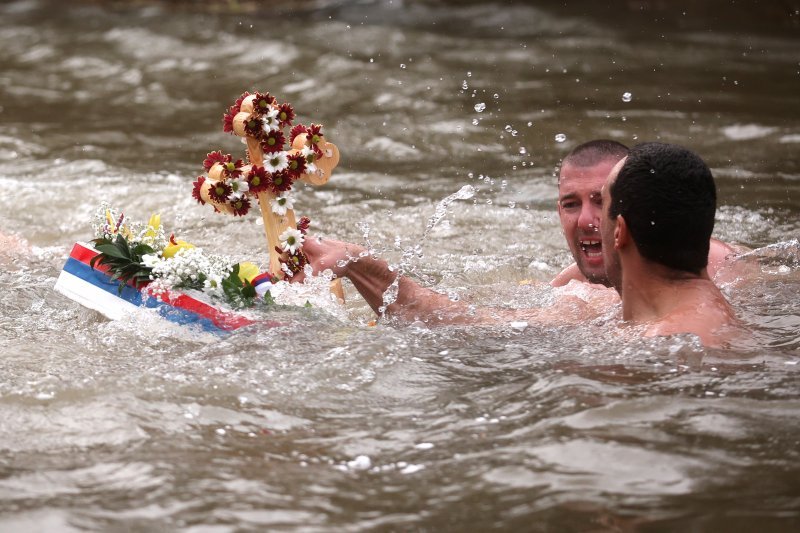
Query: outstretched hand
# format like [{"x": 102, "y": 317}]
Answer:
[{"x": 327, "y": 254}]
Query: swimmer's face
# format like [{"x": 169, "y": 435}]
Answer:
[
  {"x": 580, "y": 208},
  {"x": 607, "y": 229}
]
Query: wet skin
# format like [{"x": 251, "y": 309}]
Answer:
[{"x": 579, "y": 209}]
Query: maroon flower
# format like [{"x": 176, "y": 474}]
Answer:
[
  {"x": 196, "y": 186},
  {"x": 220, "y": 192},
  {"x": 254, "y": 127},
  {"x": 303, "y": 224},
  {"x": 263, "y": 102},
  {"x": 315, "y": 133},
  {"x": 240, "y": 206},
  {"x": 215, "y": 157},
  {"x": 233, "y": 169},
  {"x": 227, "y": 118},
  {"x": 273, "y": 141},
  {"x": 258, "y": 180},
  {"x": 297, "y": 164},
  {"x": 297, "y": 130},
  {"x": 285, "y": 115},
  {"x": 292, "y": 263},
  {"x": 281, "y": 181}
]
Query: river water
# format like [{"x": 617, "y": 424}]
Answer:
[{"x": 328, "y": 423}]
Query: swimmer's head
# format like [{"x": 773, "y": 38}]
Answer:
[
  {"x": 667, "y": 197},
  {"x": 582, "y": 175}
]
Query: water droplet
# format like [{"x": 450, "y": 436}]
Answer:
[
  {"x": 495, "y": 96},
  {"x": 530, "y": 124},
  {"x": 371, "y": 60},
  {"x": 627, "y": 97},
  {"x": 475, "y": 122},
  {"x": 512, "y": 205},
  {"x": 508, "y": 128},
  {"x": 469, "y": 74},
  {"x": 464, "y": 85},
  {"x": 480, "y": 107},
  {"x": 624, "y": 118},
  {"x": 652, "y": 171},
  {"x": 402, "y": 65},
  {"x": 560, "y": 138},
  {"x": 522, "y": 150}
]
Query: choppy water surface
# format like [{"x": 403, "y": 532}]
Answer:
[{"x": 328, "y": 424}]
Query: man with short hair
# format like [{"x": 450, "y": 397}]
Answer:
[
  {"x": 658, "y": 214},
  {"x": 583, "y": 172},
  {"x": 699, "y": 309}
]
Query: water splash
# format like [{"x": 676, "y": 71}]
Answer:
[
  {"x": 480, "y": 107},
  {"x": 627, "y": 97},
  {"x": 560, "y": 137}
]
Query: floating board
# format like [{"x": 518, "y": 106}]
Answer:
[{"x": 94, "y": 288}]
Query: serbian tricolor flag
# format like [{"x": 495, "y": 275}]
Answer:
[{"x": 94, "y": 288}]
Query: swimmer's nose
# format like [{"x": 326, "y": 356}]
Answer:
[{"x": 589, "y": 219}]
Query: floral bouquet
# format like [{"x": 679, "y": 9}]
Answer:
[
  {"x": 277, "y": 160},
  {"x": 141, "y": 255}
]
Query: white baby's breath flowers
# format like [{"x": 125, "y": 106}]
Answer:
[
  {"x": 291, "y": 240},
  {"x": 281, "y": 204},
  {"x": 187, "y": 267}
]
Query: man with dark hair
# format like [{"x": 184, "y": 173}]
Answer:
[
  {"x": 679, "y": 298},
  {"x": 658, "y": 215},
  {"x": 582, "y": 175}
]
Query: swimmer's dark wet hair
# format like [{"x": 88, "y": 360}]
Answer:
[
  {"x": 593, "y": 152},
  {"x": 667, "y": 195}
]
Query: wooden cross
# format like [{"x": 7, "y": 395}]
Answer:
[{"x": 274, "y": 224}]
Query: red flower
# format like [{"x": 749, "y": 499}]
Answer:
[
  {"x": 233, "y": 169},
  {"x": 273, "y": 141},
  {"x": 215, "y": 157},
  {"x": 303, "y": 224},
  {"x": 294, "y": 263},
  {"x": 297, "y": 130},
  {"x": 220, "y": 191},
  {"x": 315, "y": 134},
  {"x": 227, "y": 118},
  {"x": 285, "y": 114},
  {"x": 196, "y": 186},
  {"x": 258, "y": 180},
  {"x": 297, "y": 164},
  {"x": 253, "y": 127},
  {"x": 240, "y": 206},
  {"x": 262, "y": 102},
  {"x": 281, "y": 181}
]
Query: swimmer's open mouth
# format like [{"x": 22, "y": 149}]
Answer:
[{"x": 592, "y": 248}]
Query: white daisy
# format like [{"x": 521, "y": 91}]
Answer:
[
  {"x": 291, "y": 240},
  {"x": 276, "y": 162},
  {"x": 239, "y": 186},
  {"x": 282, "y": 203},
  {"x": 269, "y": 121}
]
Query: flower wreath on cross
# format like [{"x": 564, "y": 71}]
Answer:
[{"x": 276, "y": 161}]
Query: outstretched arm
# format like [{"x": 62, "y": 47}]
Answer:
[{"x": 373, "y": 277}]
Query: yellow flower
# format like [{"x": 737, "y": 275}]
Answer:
[
  {"x": 248, "y": 271},
  {"x": 152, "y": 226},
  {"x": 174, "y": 247}
]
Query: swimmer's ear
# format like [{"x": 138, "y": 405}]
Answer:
[{"x": 621, "y": 233}]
